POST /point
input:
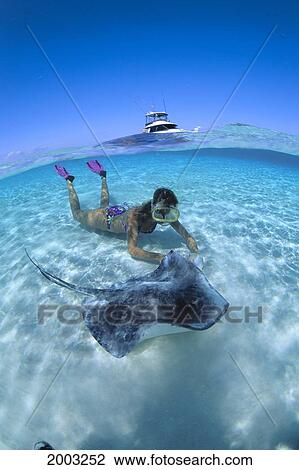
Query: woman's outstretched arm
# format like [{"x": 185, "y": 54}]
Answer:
[
  {"x": 133, "y": 249},
  {"x": 180, "y": 229}
]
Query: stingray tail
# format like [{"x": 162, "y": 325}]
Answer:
[{"x": 62, "y": 283}]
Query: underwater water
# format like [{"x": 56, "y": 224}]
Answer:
[{"x": 232, "y": 386}]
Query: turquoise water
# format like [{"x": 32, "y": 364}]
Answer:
[{"x": 178, "y": 391}]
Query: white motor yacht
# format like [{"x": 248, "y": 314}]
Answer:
[{"x": 157, "y": 121}]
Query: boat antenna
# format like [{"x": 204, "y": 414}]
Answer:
[{"x": 164, "y": 104}]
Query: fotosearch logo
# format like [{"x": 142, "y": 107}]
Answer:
[{"x": 118, "y": 314}]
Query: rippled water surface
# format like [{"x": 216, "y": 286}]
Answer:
[{"x": 234, "y": 386}]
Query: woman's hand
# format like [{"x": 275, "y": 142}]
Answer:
[
  {"x": 191, "y": 243},
  {"x": 161, "y": 257},
  {"x": 198, "y": 260}
]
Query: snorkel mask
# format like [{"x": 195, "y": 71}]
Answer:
[{"x": 164, "y": 214}]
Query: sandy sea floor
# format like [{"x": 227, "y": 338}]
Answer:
[{"x": 179, "y": 391}]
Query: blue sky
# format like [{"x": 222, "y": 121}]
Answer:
[{"x": 119, "y": 58}]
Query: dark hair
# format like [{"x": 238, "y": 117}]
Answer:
[{"x": 166, "y": 195}]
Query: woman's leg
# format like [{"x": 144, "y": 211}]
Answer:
[
  {"x": 78, "y": 214},
  {"x": 94, "y": 219},
  {"x": 104, "y": 193}
]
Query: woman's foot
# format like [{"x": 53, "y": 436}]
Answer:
[
  {"x": 61, "y": 171},
  {"x": 96, "y": 167}
]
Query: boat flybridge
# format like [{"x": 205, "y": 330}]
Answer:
[{"x": 159, "y": 122}]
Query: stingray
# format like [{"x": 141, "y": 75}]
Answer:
[{"x": 176, "y": 293}]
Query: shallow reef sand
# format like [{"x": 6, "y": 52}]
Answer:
[{"x": 177, "y": 391}]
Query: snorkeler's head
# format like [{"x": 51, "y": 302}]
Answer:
[
  {"x": 163, "y": 207},
  {"x": 166, "y": 195}
]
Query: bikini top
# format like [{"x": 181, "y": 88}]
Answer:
[
  {"x": 147, "y": 231},
  {"x": 153, "y": 226}
]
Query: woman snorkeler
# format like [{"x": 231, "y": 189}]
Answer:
[{"x": 161, "y": 209}]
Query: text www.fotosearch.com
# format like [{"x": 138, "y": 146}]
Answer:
[{"x": 212, "y": 460}]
